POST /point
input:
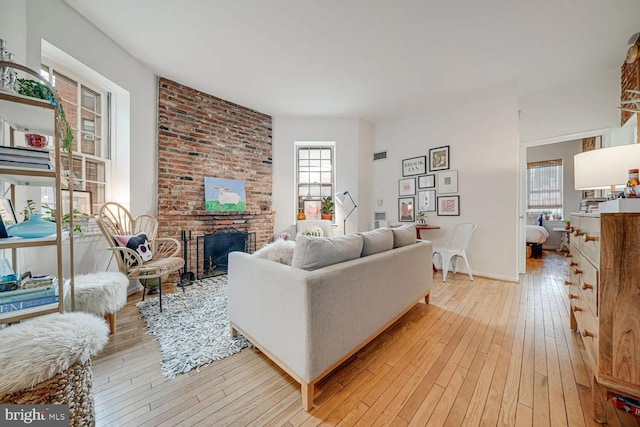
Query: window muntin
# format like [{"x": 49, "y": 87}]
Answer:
[
  {"x": 544, "y": 187},
  {"x": 315, "y": 172}
]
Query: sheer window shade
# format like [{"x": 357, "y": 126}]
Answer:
[{"x": 544, "y": 184}]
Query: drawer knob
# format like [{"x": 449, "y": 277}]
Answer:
[
  {"x": 588, "y": 238},
  {"x": 572, "y": 296},
  {"x": 577, "y": 271},
  {"x": 568, "y": 283},
  {"x": 576, "y": 308},
  {"x": 578, "y": 232},
  {"x": 586, "y": 333},
  {"x": 586, "y": 286},
  {"x": 573, "y": 263}
]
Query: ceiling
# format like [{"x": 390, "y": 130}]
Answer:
[{"x": 370, "y": 59}]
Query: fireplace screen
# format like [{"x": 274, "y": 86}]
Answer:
[{"x": 213, "y": 250}]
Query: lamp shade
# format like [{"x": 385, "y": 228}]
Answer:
[
  {"x": 600, "y": 169},
  {"x": 340, "y": 196}
]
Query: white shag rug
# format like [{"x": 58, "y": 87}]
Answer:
[{"x": 193, "y": 328}]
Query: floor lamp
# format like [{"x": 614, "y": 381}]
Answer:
[{"x": 340, "y": 197}]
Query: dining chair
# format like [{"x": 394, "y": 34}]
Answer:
[{"x": 455, "y": 247}]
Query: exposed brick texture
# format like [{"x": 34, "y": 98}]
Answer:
[
  {"x": 200, "y": 135},
  {"x": 629, "y": 79}
]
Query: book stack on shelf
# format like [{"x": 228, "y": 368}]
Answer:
[
  {"x": 25, "y": 158},
  {"x": 590, "y": 205},
  {"x": 33, "y": 293}
]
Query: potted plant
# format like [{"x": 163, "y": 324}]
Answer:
[
  {"x": 421, "y": 217},
  {"x": 546, "y": 215},
  {"x": 327, "y": 208}
]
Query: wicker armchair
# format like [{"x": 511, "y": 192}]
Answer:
[{"x": 115, "y": 220}]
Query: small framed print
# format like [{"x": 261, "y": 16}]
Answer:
[
  {"x": 427, "y": 181},
  {"x": 448, "y": 205},
  {"x": 7, "y": 217},
  {"x": 312, "y": 209},
  {"x": 82, "y": 202},
  {"x": 439, "y": 158},
  {"x": 406, "y": 212},
  {"x": 427, "y": 201},
  {"x": 414, "y": 166},
  {"x": 448, "y": 182},
  {"x": 406, "y": 187}
]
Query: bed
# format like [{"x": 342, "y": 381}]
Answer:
[{"x": 536, "y": 235}]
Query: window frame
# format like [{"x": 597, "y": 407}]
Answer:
[
  {"x": 555, "y": 190},
  {"x": 314, "y": 145}
]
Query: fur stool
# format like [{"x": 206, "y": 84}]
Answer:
[
  {"x": 47, "y": 360},
  {"x": 102, "y": 294}
]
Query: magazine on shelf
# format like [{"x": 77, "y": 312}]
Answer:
[
  {"x": 25, "y": 165},
  {"x": 35, "y": 160},
  {"x": 36, "y": 309},
  {"x": 15, "y": 306},
  {"x": 24, "y": 152},
  {"x": 39, "y": 293}
]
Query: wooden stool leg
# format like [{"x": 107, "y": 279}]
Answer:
[{"x": 111, "y": 318}]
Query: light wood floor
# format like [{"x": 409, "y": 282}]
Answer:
[{"x": 482, "y": 353}]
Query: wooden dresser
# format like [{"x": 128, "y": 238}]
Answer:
[{"x": 604, "y": 293}]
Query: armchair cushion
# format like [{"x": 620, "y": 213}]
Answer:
[{"x": 137, "y": 242}]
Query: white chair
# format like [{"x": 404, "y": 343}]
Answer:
[{"x": 456, "y": 247}]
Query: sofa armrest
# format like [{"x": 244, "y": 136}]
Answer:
[{"x": 267, "y": 301}]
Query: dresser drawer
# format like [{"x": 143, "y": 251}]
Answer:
[
  {"x": 590, "y": 241},
  {"x": 588, "y": 327},
  {"x": 589, "y": 283}
]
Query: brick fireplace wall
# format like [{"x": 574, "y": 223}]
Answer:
[
  {"x": 629, "y": 79},
  {"x": 201, "y": 135}
]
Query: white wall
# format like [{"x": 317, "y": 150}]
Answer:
[
  {"x": 366, "y": 134},
  {"x": 54, "y": 21},
  {"x": 565, "y": 151},
  {"x": 346, "y": 134},
  {"x": 482, "y": 132},
  {"x": 579, "y": 107}
]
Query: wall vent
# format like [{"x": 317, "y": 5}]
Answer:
[
  {"x": 380, "y": 155},
  {"x": 379, "y": 216}
]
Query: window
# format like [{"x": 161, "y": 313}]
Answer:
[
  {"x": 86, "y": 107},
  {"x": 544, "y": 185},
  {"x": 315, "y": 171}
]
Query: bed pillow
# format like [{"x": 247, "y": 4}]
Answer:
[
  {"x": 279, "y": 251},
  {"x": 376, "y": 241},
  {"x": 533, "y": 219},
  {"x": 404, "y": 235},
  {"x": 312, "y": 253}
]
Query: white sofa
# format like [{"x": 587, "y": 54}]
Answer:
[{"x": 309, "y": 322}]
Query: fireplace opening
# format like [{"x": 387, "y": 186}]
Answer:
[{"x": 213, "y": 250}]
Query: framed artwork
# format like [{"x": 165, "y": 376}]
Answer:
[
  {"x": 427, "y": 201},
  {"x": 448, "y": 182},
  {"x": 312, "y": 209},
  {"x": 7, "y": 217},
  {"x": 222, "y": 194},
  {"x": 82, "y": 202},
  {"x": 439, "y": 158},
  {"x": 406, "y": 212},
  {"x": 427, "y": 181},
  {"x": 414, "y": 166},
  {"x": 406, "y": 187},
  {"x": 448, "y": 205}
]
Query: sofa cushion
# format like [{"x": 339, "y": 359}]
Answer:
[
  {"x": 404, "y": 235},
  {"x": 376, "y": 241},
  {"x": 279, "y": 251},
  {"x": 312, "y": 253}
]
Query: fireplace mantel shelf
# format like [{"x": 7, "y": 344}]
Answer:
[{"x": 199, "y": 213}]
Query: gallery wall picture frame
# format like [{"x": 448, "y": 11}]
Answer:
[
  {"x": 414, "y": 166},
  {"x": 312, "y": 209},
  {"x": 439, "y": 158},
  {"x": 427, "y": 181},
  {"x": 448, "y": 205},
  {"x": 427, "y": 201},
  {"x": 7, "y": 217},
  {"x": 406, "y": 211},
  {"x": 448, "y": 182},
  {"x": 82, "y": 202},
  {"x": 407, "y": 187}
]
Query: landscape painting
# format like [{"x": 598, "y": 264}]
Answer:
[{"x": 224, "y": 194}]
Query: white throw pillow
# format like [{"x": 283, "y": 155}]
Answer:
[
  {"x": 279, "y": 251},
  {"x": 312, "y": 253},
  {"x": 376, "y": 241},
  {"x": 404, "y": 235}
]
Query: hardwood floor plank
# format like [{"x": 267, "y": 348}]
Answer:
[
  {"x": 457, "y": 413},
  {"x": 441, "y": 412}
]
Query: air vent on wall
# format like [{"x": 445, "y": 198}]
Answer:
[{"x": 380, "y": 155}]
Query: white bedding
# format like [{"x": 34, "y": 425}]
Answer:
[{"x": 536, "y": 234}]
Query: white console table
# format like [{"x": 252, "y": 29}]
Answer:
[{"x": 564, "y": 240}]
